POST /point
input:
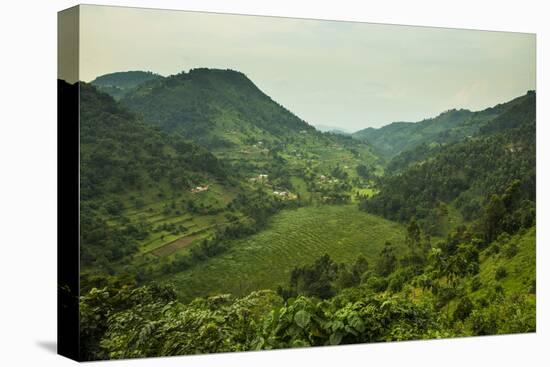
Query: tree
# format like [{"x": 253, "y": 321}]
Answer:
[
  {"x": 352, "y": 277},
  {"x": 413, "y": 235},
  {"x": 416, "y": 255},
  {"x": 360, "y": 267},
  {"x": 387, "y": 261},
  {"x": 494, "y": 213},
  {"x": 363, "y": 171},
  {"x": 314, "y": 280}
]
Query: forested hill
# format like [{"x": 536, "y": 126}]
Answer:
[
  {"x": 477, "y": 175},
  {"x": 125, "y": 164},
  {"x": 119, "y": 83},
  {"x": 449, "y": 126},
  {"x": 120, "y": 153},
  {"x": 216, "y": 108}
]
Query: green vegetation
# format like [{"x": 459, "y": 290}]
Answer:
[
  {"x": 341, "y": 304},
  {"x": 214, "y": 220},
  {"x": 467, "y": 173},
  {"x": 155, "y": 204},
  {"x": 133, "y": 178},
  {"x": 293, "y": 238},
  {"x": 216, "y": 108},
  {"x": 448, "y": 127}
]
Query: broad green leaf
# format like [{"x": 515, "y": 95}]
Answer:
[
  {"x": 335, "y": 338},
  {"x": 302, "y": 318}
]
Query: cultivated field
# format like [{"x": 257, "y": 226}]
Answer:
[{"x": 294, "y": 237}]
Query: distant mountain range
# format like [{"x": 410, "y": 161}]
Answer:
[
  {"x": 222, "y": 108},
  {"x": 332, "y": 129},
  {"x": 453, "y": 125}
]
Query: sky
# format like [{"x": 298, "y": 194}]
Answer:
[{"x": 348, "y": 75}]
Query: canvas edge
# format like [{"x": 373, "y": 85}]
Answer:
[{"x": 68, "y": 185}]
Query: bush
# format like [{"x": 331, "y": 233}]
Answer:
[
  {"x": 114, "y": 207},
  {"x": 475, "y": 284},
  {"x": 397, "y": 279},
  {"x": 463, "y": 309},
  {"x": 501, "y": 273},
  {"x": 375, "y": 283},
  {"x": 511, "y": 250}
]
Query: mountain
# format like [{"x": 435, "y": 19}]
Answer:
[
  {"x": 121, "y": 152},
  {"x": 449, "y": 126},
  {"x": 133, "y": 177},
  {"x": 499, "y": 158},
  {"x": 216, "y": 108},
  {"x": 332, "y": 129},
  {"x": 120, "y": 83},
  {"x": 152, "y": 190},
  {"x": 225, "y": 112}
]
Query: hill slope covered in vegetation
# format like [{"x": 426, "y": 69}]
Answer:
[
  {"x": 465, "y": 174},
  {"x": 448, "y": 127},
  {"x": 199, "y": 185}
]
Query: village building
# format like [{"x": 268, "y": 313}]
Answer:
[
  {"x": 260, "y": 178},
  {"x": 286, "y": 195},
  {"x": 199, "y": 189}
]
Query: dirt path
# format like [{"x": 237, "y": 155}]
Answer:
[
  {"x": 182, "y": 242},
  {"x": 174, "y": 246}
]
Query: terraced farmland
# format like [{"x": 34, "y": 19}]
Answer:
[{"x": 294, "y": 237}]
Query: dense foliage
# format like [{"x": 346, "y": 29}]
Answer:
[
  {"x": 467, "y": 173},
  {"x": 121, "y": 154},
  {"x": 439, "y": 299}
]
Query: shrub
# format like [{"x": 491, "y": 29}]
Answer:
[
  {"x": 511, "y": 250},
  {"x": 375, "y": 283},
  {"x": 476, "y": 283},
  {"x": 501, "y": 273},
  {"x": 463, "y": 309}
]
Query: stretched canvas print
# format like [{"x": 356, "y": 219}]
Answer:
[{"x": 236, "y": 183}]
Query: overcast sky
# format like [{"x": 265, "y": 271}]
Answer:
[{"x": 344, "y": 74}]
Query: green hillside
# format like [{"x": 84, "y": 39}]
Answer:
[
  {"x": 254, "y": 136},
  {"x": 466, "y": 173},
  {"x": 225, "y": 112},
  {"x": 136, "y": 182},
  {"x": 119, "y": 84},
  {"x": 493, "y": 292},
  {"x": 517, "y": 256},
  {"x": 216, "y": 108},
  {"x": 148, "y": 195},
  {"x": 293, "y": 238},
  {"x": 449, "y": 126}
]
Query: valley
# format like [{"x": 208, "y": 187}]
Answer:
[
  {"x": 294, "y": 237},
  {"x": 294, "y": 168},
  {"x": 204, "y": 202}
]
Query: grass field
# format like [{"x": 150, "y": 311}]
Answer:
[
  {"x": 520, "y": 268},
  {"x": 294, "y": 237}
]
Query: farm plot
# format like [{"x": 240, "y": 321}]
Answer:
[
  {"x": 294, "y": 237},
  {"x": 170, "y": 248}
]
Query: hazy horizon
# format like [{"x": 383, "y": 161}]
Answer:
[
  {"x": 347, "y": 75},
  {"x": 323, "y": 126}
]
